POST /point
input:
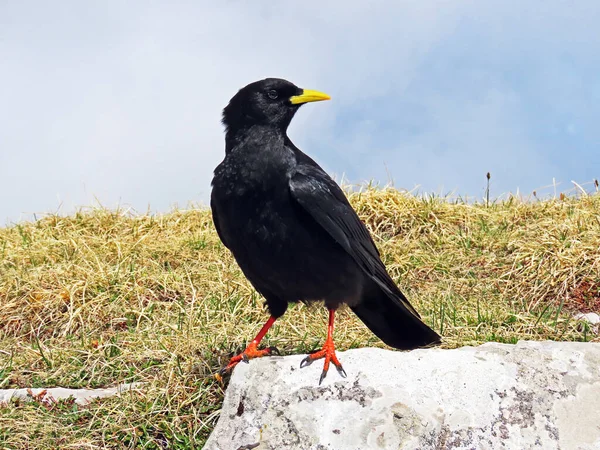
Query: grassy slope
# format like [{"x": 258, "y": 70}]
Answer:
[{"x": 104, "y": 297}]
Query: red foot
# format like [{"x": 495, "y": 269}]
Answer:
[
  {"x": 328, "y": 352},
  {"x": 251, "y": 352}
]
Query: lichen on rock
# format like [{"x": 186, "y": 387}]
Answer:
[{"x": 529, "y": 395}]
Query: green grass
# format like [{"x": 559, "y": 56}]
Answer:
[{"x": 103, "y": 297}]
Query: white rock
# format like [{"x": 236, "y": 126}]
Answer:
[
  {"x": 49, "y": 395},
  {"x": 542, "y": 395},
  {"x": 592, "y": 318}
]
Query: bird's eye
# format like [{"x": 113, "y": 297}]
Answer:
[{"x": 273, "y": 94}]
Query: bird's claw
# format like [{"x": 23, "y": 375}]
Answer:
[
  {"x": 306, "y": 362},
  {"x": 258, "y": 353},
  {"x": 340, "y": 370},
  {"x": 327, "y": 352},
  {"x": 251, "y": 352}
]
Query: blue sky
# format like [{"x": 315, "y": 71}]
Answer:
[{"x": 120, "y": 102}]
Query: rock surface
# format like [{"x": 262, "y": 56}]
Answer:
[
  {"x": 542, "y": 395},
  {"x": 593, "y": 319},
  {"x": 50, "y": 395}
]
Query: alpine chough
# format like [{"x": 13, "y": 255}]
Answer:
[{"x": 293, "y": 232}]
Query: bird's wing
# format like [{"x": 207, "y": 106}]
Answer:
[
  {"x": 326, "y": 203},
  {"x": 215, "y": 215}
]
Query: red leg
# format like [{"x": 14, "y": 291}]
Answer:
[
  {"x": 328, "y": 352},
  {"x": 252, "y": 350}
]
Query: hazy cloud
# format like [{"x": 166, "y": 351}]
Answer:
[{"x": 121, "y": 101}]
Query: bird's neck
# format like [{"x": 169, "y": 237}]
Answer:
[{"x": 236, "y": 137}]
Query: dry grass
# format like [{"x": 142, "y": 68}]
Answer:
[{"x": 103, "y": 297}]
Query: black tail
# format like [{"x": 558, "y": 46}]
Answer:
[{"x": 392, "y": 319}]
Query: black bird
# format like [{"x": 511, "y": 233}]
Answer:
[{"x": 293, "y": 232}]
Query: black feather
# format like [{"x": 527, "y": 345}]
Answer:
[{"x": 291, "y": 228}]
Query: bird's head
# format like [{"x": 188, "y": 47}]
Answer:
[{"x": 271, "y": 101}]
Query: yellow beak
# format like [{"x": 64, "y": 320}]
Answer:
[{"x": 308, "y": 96}]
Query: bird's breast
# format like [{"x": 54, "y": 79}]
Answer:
[
  {"x": 278, "y": 246},
  {"x": 251, "y": 193}
]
